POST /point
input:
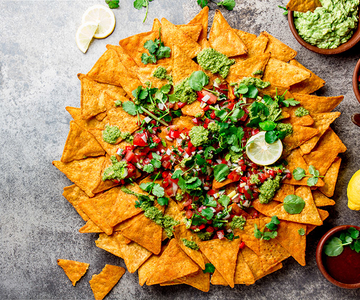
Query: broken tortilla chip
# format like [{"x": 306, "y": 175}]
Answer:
[
  {"x": 198, "y": 280},
  {"x": 74, "y": 195},
  {"x": 283, "y": 74},
  {"x": 74, "y": 270},
  {"x": 321, "y": 200},
  {"x": 303, "y": 5},
  {"x": 202, "y": 18},
  {"x": 330, "y": 178},
  {"x": 308, "y": 86},
  {"x": 101, "y": 284},
  {"x": 172, "y": 264},
  {"x": 224, "y": 39}
]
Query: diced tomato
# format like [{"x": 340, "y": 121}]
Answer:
[
  {"x": 231, "y": 105},
  {"x": 207, "y": 121},
  {"x": 288, "y": 176},
  {"x": 206, "y": 108},
  {"x": 220, "y": 234},
  {"x": 218, "y": 207},
  {"x": 129, "y": 156},
  {"x": 212, "y": 115},
  {"x": 196, "y": 121},
  {"x": 156, "y": 139},
  {"x": 189, "y": 213},
  {"x": 174, "y": 134},
  {"x": 181, "y": 104},
  {"x": 129, "y": 148},
  {"x": 272, "y": 173},
  {"x": 171, "y": 189},
  {"x": 210, "y": 229},
  {"x": 140, "y": 139},
  {"x": 131, "y": 170},
  {"x": 234, "y": 176},
  {"x": 202, "y": 226},
  {"x": 247, "y": 195},
  {"x": 243, "y": 168},
  {"x": 187, "y": 202},
  {"x": 146, "y": 161},
  {"x": 242, "y": 245},
  {"x": 211, "y": 192},
  {"x": 203, "y": 93},
  {"x": 255, "y": 131},
  {"x": 243, "y": 118}
]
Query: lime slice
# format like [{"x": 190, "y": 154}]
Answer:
[
  {"x": 262, "y": 153},
  {"x": 104, "y": 17},
  {"x": 85, "y": 34}
]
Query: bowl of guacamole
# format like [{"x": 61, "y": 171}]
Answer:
[
  {"x": 356, "y": 81},
  {"x": 330, "y": 29}
]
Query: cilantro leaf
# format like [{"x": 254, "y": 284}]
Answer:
[
  {"x": 149, "y": 168},
  {"x": 156, "y": 163},
  {"x": 299, "y": 173},
  {"x": 176, "y": 174},
  {"x": 267, "y": 125},
  {"x": 228, "y": 4},
  {"x": 252, "y": 92},
  {"x": 312, "y": 181},
  {"x": 130, "y": 108},
  {"x": 198, "y": 80},
  {"x": 207, "y": 213},
  {"x": 290, "y": 102},
  {"x": 163, "y": 200},
  {"x": 193, "y": 183},
  {"x": 163, "y": 52},
  {"x": 198, "y": 220},
  {"x": 293, "y": 204},
  {"x": 224, "y": 200},
  {"x": 158, "y": 190},
  {"x": 209, "y": 268},
  {"x": 301, "y": 231},
  {"x": 221, "y": 171},
  {"x": 203, "y": 3},
  {"x": 139, "y": 4},
  {"x": 353, "y": 232},
  {"x": 285, "y": 13},
  {"x": 146, "y": 59},
  {"x": 146, "y": 186},
  {"x": 112, "y": 3},
  {"x": 151, "y": 46},
  {"x": 209, "y": 201}
]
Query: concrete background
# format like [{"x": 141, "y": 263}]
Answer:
[{"x": 39, "y": 61}]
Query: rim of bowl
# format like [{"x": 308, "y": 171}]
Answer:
[
  {"x": 355, "y": 81},
  {"x": 319, "y": 255},
  {"x": 342, "y": 48}
]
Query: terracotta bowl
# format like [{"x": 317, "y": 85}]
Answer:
[
  {"x": 355, "y": 81},
  {"x": 319, "y": 257},
  {"x": 342, "y": 48}
]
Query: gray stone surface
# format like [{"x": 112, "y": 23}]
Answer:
[{"x": 39, "y": 61}]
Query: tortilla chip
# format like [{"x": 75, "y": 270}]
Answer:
[
  {"x": 246, "y": 37},
  {"x": 330, "y": 178},
  {"x": 99, "y": 207},
  {"x": 174, "y": 211},
  {"x": 184, "y": 66},
  {"x": 101, "y": 284},
  {"x": 323, "y": 215},
  {"x": 182, "y": 233},
  {"x": 322, "y": 123},
  {"x": 307, "y": 86},
  {"x": 172, "y": 264},
  {"x": 146, "y": 75},
  {"x": 172, "y": 35},
  {"x": 300, "y": 135},
  {"x": 224, "y": 39},
  {"x": 202, "y": 18},
  {"x": 133, "y": 254},
  {"x": 74, "y": 195},
  {"x": 184, "y": 122},
  {"x": 321, "y": 200},
  {"x": 198, "y": 280},
  {"x": 109, "y": 69},
  {"x": 306, "y": 120},
  {"x": 156, "y": 25},
  {"x": 84, "y": 173},
  {"x": 289, "y": 237},
  {"x": 85, "y": 124},
  {"x": 295, "y": 160},
  {"x": 326, "y": 151},
  {"x": 193, "y": 109},
  {"x": 145, "y": 232},
  {"x": 243, "y": 274},
  {"x": 247, "y": 235},
  {"x": 247, "y": 68},
  {"x": 134, "y": 45},
  {"x": 148, "y": 267},
  {"x": 222, "y": 254},
  {"x": 285, "y": 190},
  {"x": 283, "y": 74},
  {"x": 124, "y": 207},
  {"x": 273, "y": 90},
  {"x": 74, "y": 270},
  {"x": 278, "y": 49},
  {"x": 309, "y": 215},
  {"x": 218, "y": 185},
  {"x": 191, "y": 30},
  {"x": 80, "y": 144},
  {"x": 303, "y": 5},
  {"x": 317, "y": 104}
]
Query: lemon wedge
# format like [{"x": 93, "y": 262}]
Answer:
[
  {"x": 262, "y": 153},
  {"x": 104, "y": 17},
  {"x": 353, "y": 192},
  {"x": 85, "y": 34}
]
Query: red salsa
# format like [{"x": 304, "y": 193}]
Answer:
[{"x": 345, "y": 267}]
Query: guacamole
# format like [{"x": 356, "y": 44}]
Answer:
[
  {"x": 286, "y": 128},
  {"x": 184, "y": 92},
  {"x": 198, "y": 135},
  {"x": 255, "y": 82},
  {"x": 161, "y": 73},
  {"x": 301, "y": 111},
  {"x": 328, "y": 26},
  {"x": 111, "y": 134},
  {"x": 118, "y": 103},
  {"x": 268, "y": 189},
  {"x": 238, "y": 222},
  {"x": 190, "y": 244},
  {"x": 254, "y": 179},
  {"x": 214, "y": 127},
  {"x": 165, "y": 221},
  {"x": 118, "y": 170},
  {"x": 204, "y": 236},
  {"x": 215, "y": 62}
]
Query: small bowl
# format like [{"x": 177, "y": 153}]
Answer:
[
  {"x": 342, "y": 48},
  {"x": 355, "y": 81},
  {"x": 319, "y": 257}
]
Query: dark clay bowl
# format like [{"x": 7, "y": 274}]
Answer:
[
  {"x": 319, "y": 257},
  {"x": 355, "y": 81},
  {"x": 342, "y": 48}
]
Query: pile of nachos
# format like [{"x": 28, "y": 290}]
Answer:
[{"x": 157, "y": 153}]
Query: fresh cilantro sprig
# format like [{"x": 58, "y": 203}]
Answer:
[
  {"x": 285, "y": 13},
  {"x": 267, "y": 235},
  {"x": 209, "y": 268},
  {"x": 157, "y": 50},
  {"x": 139, "y": 4},
  {"x": 335, "y": 246},
  {"x": 112, "y": 3},
  {"x": 228, "y": 4},
  {"x": 299, "y": 173}
]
